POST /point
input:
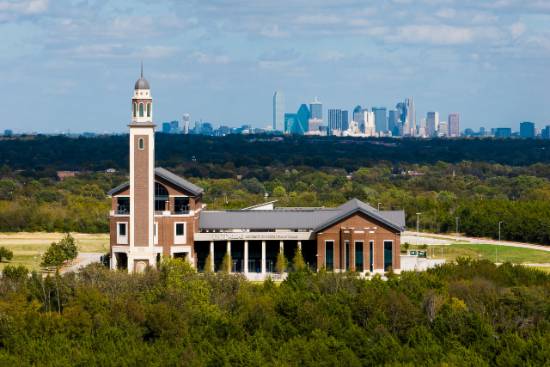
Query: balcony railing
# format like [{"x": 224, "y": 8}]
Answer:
[{"x": 122, "y": 211}]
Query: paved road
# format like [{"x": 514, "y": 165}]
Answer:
[
  {"x": 441, "y": 239},
  {"x": 83, "y": 259}
]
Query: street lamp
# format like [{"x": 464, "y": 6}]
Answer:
[
  {"x": 499, "y": 225},
  {"x": 379, "y": 206},
  {"x": 496, "y": 248}
]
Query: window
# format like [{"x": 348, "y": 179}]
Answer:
[
  {"x": 179, "y": 233},
  {"x": 358, "y": 256},
  {"x": 148, "y": 110},
  {"x": 135, "y": 109},
  {"x": 141, "y": 144},
  {"x": 388, "y": 254},
  {"x": 123, "y": 205},
  {"x": 122, "y": 233},
  {"x": 161, "y": 197},
  {"x": 141, "y": 110},
  {"x": 181, "y": 205},
  {"x": 329, "y": 255}
]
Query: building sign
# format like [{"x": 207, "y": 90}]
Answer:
[{"x": 251, "y": 236}]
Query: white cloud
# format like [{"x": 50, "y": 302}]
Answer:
[
  {"x": 517, "y": 29},
  {"x": 27, "y": 7},
  {"x": 433, "y": 34}
]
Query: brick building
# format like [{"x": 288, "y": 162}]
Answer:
[{"x": 158, "y": 213}]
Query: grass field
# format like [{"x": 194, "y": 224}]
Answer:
[
  {"x": 28, "y": 247},
  {"x": 495, "y": 253}
]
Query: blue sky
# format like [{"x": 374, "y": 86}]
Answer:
[{"x": 68, "y": 64}]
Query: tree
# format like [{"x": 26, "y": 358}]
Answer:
[
  {"x": 279, "y": 192},
  {"x": 15, "y": 273},
  {"x": 226, "y": 263},
  {"x": 281, "y": 263},
  {"x": 5, "y": 254},
  {"x": 298, "y": 262},
  {"x": 60, "y": 252},
  {"x": 209, "y": 264}
]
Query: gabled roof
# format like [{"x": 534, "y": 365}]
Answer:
[
  {"x": 393, "y": 219},
  {"x": 313, "y": 219},
  {"x": 167, "y": 176}
]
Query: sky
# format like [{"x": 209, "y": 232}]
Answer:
[{"x": 70, "y": 65}]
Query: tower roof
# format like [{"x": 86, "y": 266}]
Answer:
[{"x": 142, "y": 83}]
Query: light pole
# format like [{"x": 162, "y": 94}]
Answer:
[
  {"x": 456, "y": 227},
  {"x": 379, "y": 206},
  {"x": 499, "y": 225}
]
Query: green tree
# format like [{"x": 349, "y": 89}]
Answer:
[
  {"x": 69, "y": 247},
  {"x": 298, "y": 263},
  {"x": 226, "y": 263},
  {"x": 209, "y": 264},
  {"x": 281, "y": 264},
  {"x": 15, "y": 273},
  {"x": 279, "y": 192},
  {"x": 5, "y": 254}
]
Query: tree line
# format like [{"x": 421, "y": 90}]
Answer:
[{"x": 471, "y": 313}]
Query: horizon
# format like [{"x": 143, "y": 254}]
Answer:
[{"x": 72, "y": 66}]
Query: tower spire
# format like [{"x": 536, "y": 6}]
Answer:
[{"x": 142, "y": 69}]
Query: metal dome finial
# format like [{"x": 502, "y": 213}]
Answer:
[{"x": 141, "y": 69}]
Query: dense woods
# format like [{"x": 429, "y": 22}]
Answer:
[
  {"x": 466, "y": 314},
  {"x": 442, "y": 179}
]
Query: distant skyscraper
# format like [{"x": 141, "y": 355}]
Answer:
[
  {"x": 370, "y": 124},
  {"x": 290, "y": 120},
  {"x": 545, "y": 133},
  {"x": 432, "y": 123},
  {"x": 527, "y": 130},
  {"x": 454, "y": 124},
  {"x": 185, "y": 122},
  {"x": 403, "y": 115},
  {"x": 380, "y": 119},
  {"x": 393, "y": 122},
  {"x": 345, "y": 120},
  {"x": 166, "y": 128},
  {"x": 335, "y": 121},
  {"x": 303, "y": 116},
  {"x": 278, "y": 111},
  {"x": 358, "y": 115},
  {"x": 316, "y": 109},
  {"x": 410, "y": 124},
  {"x": 442, "y": 129}
]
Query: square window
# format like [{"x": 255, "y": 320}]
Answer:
[{"x": 122, "y": 229}]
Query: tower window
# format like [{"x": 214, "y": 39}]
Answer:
[
  {"x": 148, "y": 110},
  {"x": 135, "y": 109},
  {"x": 141, "y": 144},
  {"x": 141, "y": 110}
]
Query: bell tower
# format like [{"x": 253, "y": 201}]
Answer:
[{"x": 142, "y": 165}]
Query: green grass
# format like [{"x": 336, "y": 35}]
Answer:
[
  {"x": 28, "y": 247},
  {"x": 495, "y": 253}
]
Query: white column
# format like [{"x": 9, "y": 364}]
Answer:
[
  {"x": 246, "y": 257},
  {"x": 229, "y": 247},
  {"x": 263, "y": 258},
  {"x": 300, "y": 245},
  {"x": 212, "y": 255},
  {"x": 113, "y": 261},
  {"x": 281, "y": 246}
]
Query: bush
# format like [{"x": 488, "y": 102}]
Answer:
[{"x": 5, "y": 254}]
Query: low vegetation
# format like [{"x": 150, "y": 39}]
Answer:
[{"x": 471, "y": 313}]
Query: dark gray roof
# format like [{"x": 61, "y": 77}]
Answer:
[
  {"x": 178, "y": 181},
  {"x": 142, "y": 83},
  {"x": 168, "y": 176},
  {"x": 315, "y": 219}
]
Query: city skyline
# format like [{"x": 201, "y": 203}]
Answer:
[{"x": 486, "y": 60}]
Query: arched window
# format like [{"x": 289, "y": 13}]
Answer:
[
  {"x": 141, "y": 144},
  {"x": 135, "y": 109},
  {"x": 141, "y": 110},
  {"x": 148, "y": 109},
  {"x": 161, "y": 197}
]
